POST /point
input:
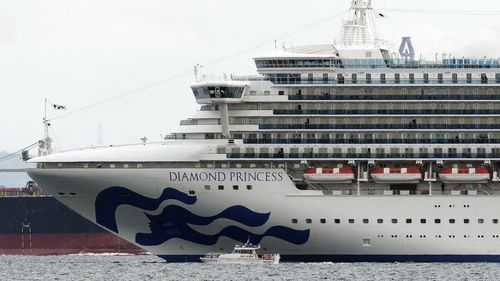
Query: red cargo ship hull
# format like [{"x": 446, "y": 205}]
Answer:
[{"x": 32, "y": 225}]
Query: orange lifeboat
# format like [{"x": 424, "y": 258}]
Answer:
[
  {"x": 329, "y": 174},
  {"x": 396, "y": 175},
  {"x": 464, "y": 175}
]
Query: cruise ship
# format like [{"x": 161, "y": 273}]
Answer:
[{"x": 347, "y": 152}]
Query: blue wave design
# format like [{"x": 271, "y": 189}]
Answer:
[
  {"x": 174, "y": 220},
  {"x": 109, "y": 199}
]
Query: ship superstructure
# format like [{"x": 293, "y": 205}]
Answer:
[{"x": 345, "y": 152}]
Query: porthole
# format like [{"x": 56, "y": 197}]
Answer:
[
  {"x": 249, "y": 187},
  {"x": 423, "y": 221},
  {"x": 295, "y": 220},
  {"x": 351, "y": 220},
  {"x": 380, "y": 221},
  {"x": 466, "y": 221},
  {"x": 452, "y": 221},
  {"x": 394, "y": 220},
  {"x": 322, "y": 220},
  {"x": 480, "y": 221},
  {"x": 207, "y": 187},
  {"x": 437, "y": 221},
  {"x": 366, "y": 221},
  {"x": 495, "y": 221},
  {"x": 235, "y": 187},
  {"x": 220, "y": 187},
  {"x": 337, "y": 221},
  {"x": 192, "y": 193},
  {"x": 408, "y": 220},
  {"x": 309, "y": 221}
]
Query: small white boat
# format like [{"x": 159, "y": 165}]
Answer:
[{"x": 246, "y": 253}]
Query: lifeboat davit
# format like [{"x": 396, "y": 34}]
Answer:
[
  {"x": 329, "y": 174},
  {"x": 464, "y": 175},
  {"x": 397, "y": 175}
]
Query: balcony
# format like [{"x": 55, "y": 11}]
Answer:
[
  {"x": 362, "y": 156},
  {"x": 409, "y": 126},
  {"x": 372, "y": 141},
  {"x": 388, "y": 112}
]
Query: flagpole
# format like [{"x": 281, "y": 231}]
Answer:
[{"x": 45, "y": 122}]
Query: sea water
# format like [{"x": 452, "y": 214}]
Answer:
[{"x": 148, "y": 267}]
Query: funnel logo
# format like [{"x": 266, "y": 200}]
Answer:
[{"x": 174, "y": 221}]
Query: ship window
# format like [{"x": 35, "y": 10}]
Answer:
[
  {"x": 253, "y": 93},
  {"x": 322, "y": 220},
  {"x": 382, "y": 78},
  {"x": 61, "y": 193},
  {"x": 192, "y": 192},
  {"x": 295, "y": 220},
  {"x": 85, "y": 165},
  {"x": 409, "y": 220},
  {"x": 221, "y": 187},
  {"x": 469, "y": 78},
  {"x": 452, "y": 221},
  {"x": 366, "y": 220},
  {"x": 98, "y": 166},
  {"x": 267, "y": 93},
  {"x": 380, "y": 221},
  {"x": 495, "y": 221},
  {"x": 466, "y": 221},
  {"x": 125, "y": 166},
  {"x": 309, "y": 221},
  {"x": 112, "y": 166},
  {"x": 249, "y": 187},
  {"x": 337, "y": 221},
  {"x": 207, "y": 187},
  {"x": 354, "y": 78},
  {"x": 281, "y": 93},
  {"x": 440, "y": 78},
  {"x": 139, "y": 166},
  {"x": 394, "y": 220},
  {"x": 480, "y": 221},
  {"x": 423, "y": 221},
  {"x": 484, "y": 78},
  {"x": 351, "y": 220},
  {"x": 235, "y": 187},
  {"x": 397, "y": 78},
  {"x": 426, "y": 79}
]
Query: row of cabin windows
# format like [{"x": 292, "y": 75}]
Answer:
[
  {"x": 438, "y": 236},
  {"x": 397, "y": 78},
  {"x": 222, "y": 187},
  {"x": 394, "y": 221}
]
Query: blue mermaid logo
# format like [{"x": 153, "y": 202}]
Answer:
[{"x": 174, "y": 221}]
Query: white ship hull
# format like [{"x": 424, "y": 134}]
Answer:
[{"x": 204, "y": 222}]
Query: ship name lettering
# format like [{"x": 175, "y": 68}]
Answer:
[{"x": 223, "y": 176}]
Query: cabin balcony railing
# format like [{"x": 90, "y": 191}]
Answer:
[
  {"x": 372, "y": 141},
  {"x": 406, "y": 81},
  {"x": 363, "y": 156},
  {"x": 410, "y": 126},
  {"x": 387, "y": 112},
  {"x": 367, "y": 97}
]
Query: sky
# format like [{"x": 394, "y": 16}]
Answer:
[{"x": 80, "y": 53}]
